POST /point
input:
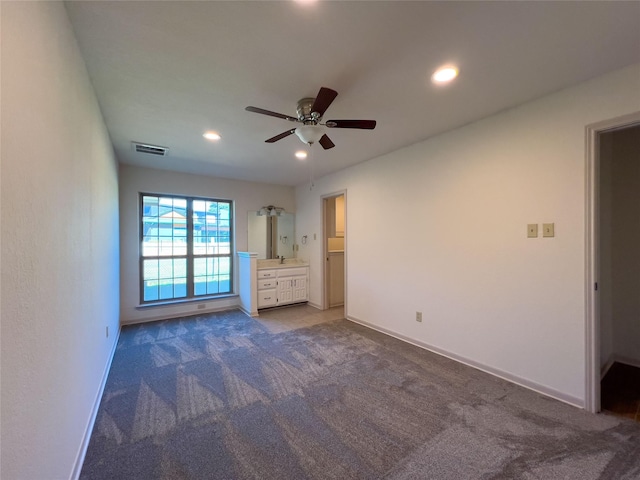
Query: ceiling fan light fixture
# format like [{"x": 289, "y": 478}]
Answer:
[
  {"x": 309, "y": 133},
  {"x": 444, "y": 74},
  {"x": 213, "y": 136}
]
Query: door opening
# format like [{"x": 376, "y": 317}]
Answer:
[
  {"x": 334, "y": 250},
  {"x": 609, "y": 332}
]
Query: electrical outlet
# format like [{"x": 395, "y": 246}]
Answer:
[
  {"x": 418, "y": 316},
  {"x": 201, "y": 306},
  {"x": 107, "y": 331}
]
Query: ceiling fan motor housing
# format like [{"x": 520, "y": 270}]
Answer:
[{"x": 304, "y": 112}]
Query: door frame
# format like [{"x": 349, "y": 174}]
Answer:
[
  {"x": 592, "y": 252},
  {"x": 325, "y": 249}
]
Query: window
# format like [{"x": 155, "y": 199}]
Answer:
[{"x": 185, "y": 247}]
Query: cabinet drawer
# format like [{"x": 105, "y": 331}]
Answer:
[
  {"x": 266, "y": 274},
  {"x": 288, "y": 272},
  {"x": 267, "y": 298},
  {"x": 266, "y": 284}
]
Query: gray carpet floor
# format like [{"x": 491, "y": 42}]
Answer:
[{"x": 225, "y": 396}]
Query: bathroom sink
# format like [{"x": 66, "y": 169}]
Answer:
[{"x": 275, "y": 263}]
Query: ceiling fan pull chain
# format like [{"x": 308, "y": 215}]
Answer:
[{"x": 311, "y": 167}]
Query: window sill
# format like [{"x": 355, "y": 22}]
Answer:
[{"x": 173, "y": 303}]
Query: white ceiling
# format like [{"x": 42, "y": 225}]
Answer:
[{"x": 165, "y": 72}]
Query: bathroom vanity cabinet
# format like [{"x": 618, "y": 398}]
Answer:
[
  {"x": 269, "y": 283},
  {"x": 282, "y": 285}
]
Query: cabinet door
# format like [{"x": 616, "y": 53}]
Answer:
[
  {"x": 285, "y": 290},
  {"x": 299, "y": 289}
]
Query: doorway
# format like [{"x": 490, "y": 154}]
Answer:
[
  {"x": 334, "y": 209},
  {"x": 613, "y": 253}
]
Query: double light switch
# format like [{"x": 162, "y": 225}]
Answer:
[{"x": 548, "y": 230}]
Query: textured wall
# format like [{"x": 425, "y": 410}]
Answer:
[
  {"x": 440, "y": 227},
  {"x": 60, "y": 286}
]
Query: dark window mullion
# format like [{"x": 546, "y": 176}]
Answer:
[
  {"x": 141, "y": 247},
  {"x": 231, "y": 245},
  {"x": 190, "y": 256}
]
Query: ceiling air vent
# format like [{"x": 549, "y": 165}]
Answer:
[{"x": 150, "y": 149}]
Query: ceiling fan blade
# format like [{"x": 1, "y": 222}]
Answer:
[
  {"x": 271, "y": 114},
  {"x": 323, "y": 100},
  {"x": 326, "y": 142},
  {"x": 364, "y": 124},
  {"x": 281, "y": 136}
]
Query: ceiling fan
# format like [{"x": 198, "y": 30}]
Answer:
[{"x": 310, "y": 112}]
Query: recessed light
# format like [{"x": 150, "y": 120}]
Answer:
[
  {"x": 301, "y": 154},
  {"x": 212, "y": 136},
  {"x": 444, "y": 74}
]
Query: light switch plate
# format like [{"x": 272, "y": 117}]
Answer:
[
  {"x": 548, "y": 230},
  {"x": 532, "y": 230}
]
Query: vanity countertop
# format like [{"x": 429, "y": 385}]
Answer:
[{"x": 275, "y": 263}]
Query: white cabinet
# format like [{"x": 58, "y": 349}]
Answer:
[
  {"x": 282, "y": 286},
  {"x": 267, "y": 283},
  {"x": 285, "y": 290},
  {"x": 300, "y": 289}
]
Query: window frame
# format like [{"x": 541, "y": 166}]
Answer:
[{"x": 190, "y": 256}]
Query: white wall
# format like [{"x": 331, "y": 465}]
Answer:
[
  {"x": 59, "y": 244},
  {"x": 626, "y": 244},
  {"x": 257, "y": 234},
  {"x": 247, "y": 196},
  {"x": 449, "y": 239}
]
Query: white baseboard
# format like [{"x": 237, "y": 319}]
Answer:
[
  {"x": 615, "y": 358},
  {"x": 607, "y": 366},
  {"x": 523, "y": 382},
  {"x": 170, "y": 316},
  {"x": 77, "y": 468},
  {"x": 248, "y": 313},
  {"x": 632, "y": 362}
]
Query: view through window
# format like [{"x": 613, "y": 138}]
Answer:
[{"x": 185, "y": 248}]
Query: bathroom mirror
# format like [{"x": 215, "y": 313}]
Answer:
[{"x": 271, "y": 236}]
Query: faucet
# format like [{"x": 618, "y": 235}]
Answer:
[{"x": 281, "y": 259}]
